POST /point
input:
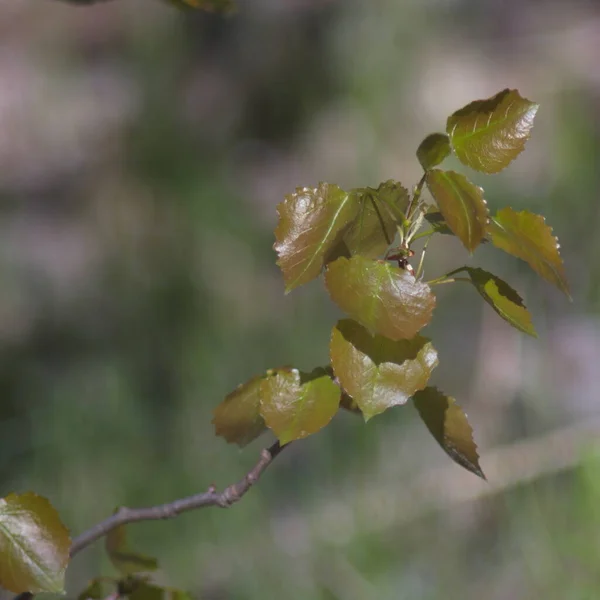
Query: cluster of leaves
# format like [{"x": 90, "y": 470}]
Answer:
[
  {"x": 133, "y": 580},
  {"x": 362, "y": 241}
]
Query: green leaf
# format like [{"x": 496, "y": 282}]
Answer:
[
  {"x": 433, "y": 150},
  {"x": 487, "y": 135},
  {"x": 376, "y": 372},
  {"x": 448, "y": 424},
  {"x": 34, "y": 545},
  {"x": 142, "y": 590},
  {"x": 394, "y": 195},
  {"x": 97, "y": 589},
  {"x": 311, "y": 223},
  {"x": 238, "y": 417},
  {"x": 296, "y": 405},
  {"x": 503, "y": 299},
  {"x": 372, "y": 231},
  {"x": 526, "y": 236},
  {"x": 385, "y": 299},
  {"x": 126, "y": 561},
  {"x": 461, "y": 204}
]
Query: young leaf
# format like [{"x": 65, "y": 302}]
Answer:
[
  {"x": 526, "y": 236},
  {"x": 126, "y": 561},
  {"x": 448, "y": 424},
  {"x": 238, "y": 417},
  {"x": 433, "y": 150},
  {"x": 461, "y": 204},
  {"x": 503, "y": 299},
  {"x": 311, "y": 223},
  {"x": 296, "y": 405},
  {"x": 377, "y": 372},
  {"x": 385, "y": 299},
  {"x": 487, "y": 135},
  {"x": 34, "y": 545},
  {"x": 395, "y": 196},
  {"x": 372, "y": 231}
]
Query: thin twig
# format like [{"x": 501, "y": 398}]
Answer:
[{"x": 223, "y": 499}]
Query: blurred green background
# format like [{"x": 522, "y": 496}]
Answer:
[{"x": 143, "y": 151}]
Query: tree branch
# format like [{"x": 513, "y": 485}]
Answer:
[{"x": 223, "y": 499}]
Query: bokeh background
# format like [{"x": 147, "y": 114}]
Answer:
[{"x": 143, "y": 151}]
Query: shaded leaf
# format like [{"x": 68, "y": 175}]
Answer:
[
  {"x": 448, "y": 424},
  {"x": 372, "y": 231},
  {"x": 503, "y": 299},
  {"x": 461, "y": 204},
  {"x": 34, "y": 545},
  {"x": 219, "y": 6},
  {"x": 436, "y": 220},
  {"x": 394, "y": 195},
  {"x": 526, "y": 236},
  {"x": 377, "y": 372},
  {"x": 238, "y": 417},
  {"x": 433, "y": 150},
  {"x": 97, "y": 589},
  {"x": 311, "y": 224},
  {"x": 126, "y": 561},
  {"x": 487, "y": 135},
  {"x": 296, "y": 405},
  {"x": 387, "y": 300},
  {"x": 148, "y": 591}
]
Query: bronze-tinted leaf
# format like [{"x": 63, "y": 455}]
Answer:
[
  {"x": 433, "y": 150},
  {"x": 372, "y": 231},
  {"x": 461, "y": 204},
  {"x": 487, "y": 135},
  {"x": 526, "y": 236},
  {"x": 34, "y": 545},
  {"x": 312, "y": 222},
  {"x": 448, "y": 424},
  {"x": 238, "y": 417},
  {"x": 125, "y": 560},
  {"x": 503, "y": 299},
  {"x": 394, "y": 195},
  {"x": 377, "y": 372},
  {"x": 296, "y": 405},
  {"x": 385, "y": 299}
]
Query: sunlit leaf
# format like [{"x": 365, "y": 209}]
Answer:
[
  {"x": 526, "y": 235},
  {"x": 433, "y": 150},
  {"x": 385, "y": 299},
  {"x": 487, "y": 135},
  {"x": 461, "y": 204},
  {"x": 448, "y": 424},
  {"x": 377, "y": 372},
  {"x": 502, "y": 298},
  {"x": 296, "y": 405},
  {"x": 312, "y": 221},
  {"x": 34, "y": 545},
  {"x": 126, "y": 561},
  {"x": 238, "y": 417},
  {"x": 372, "y": 231}
]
